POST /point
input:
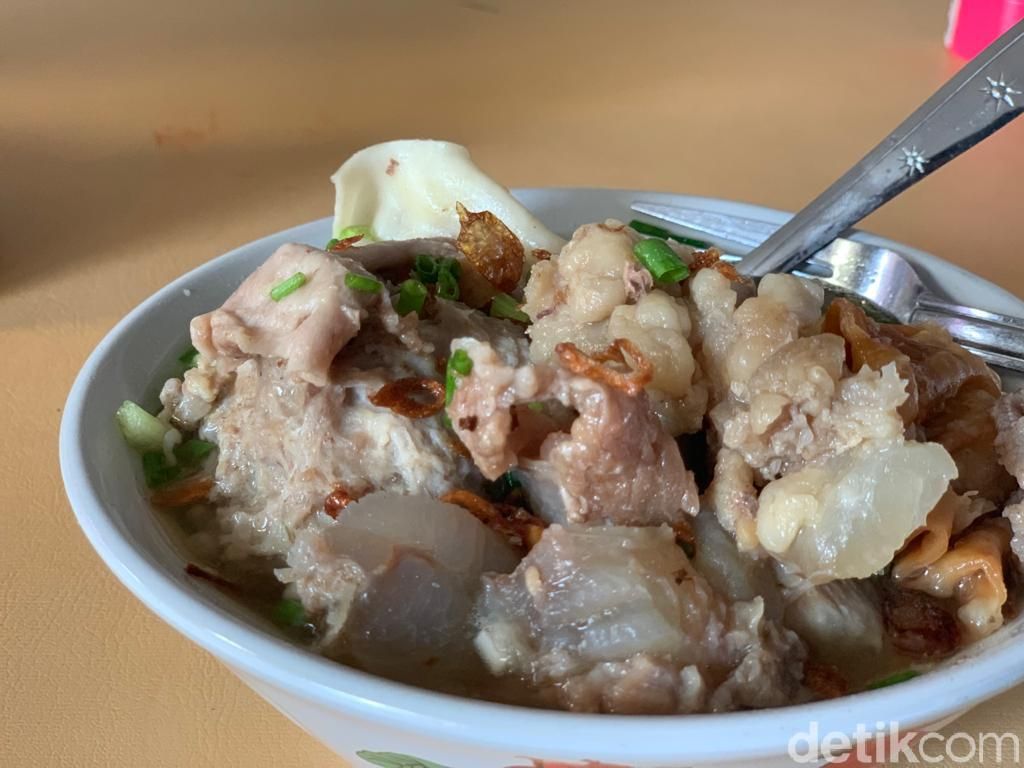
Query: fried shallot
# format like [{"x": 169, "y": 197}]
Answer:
[
  {"x": 712, "y": 258},
  {"x": 491, "y": 247},
  {"x": 339, "y": 498},
  {"x": 343, "y": 244},
  {"x": 593, "y": 366},
  {"x": 521, "y": 529},
  {"x": 413, "y": 397}
]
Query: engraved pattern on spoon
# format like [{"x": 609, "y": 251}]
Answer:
[
  {"x": 913, "y": 160},
  {"x": 1000, "y": 91}
]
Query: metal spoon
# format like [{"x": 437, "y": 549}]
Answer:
[{"x": 986, "y": 94}]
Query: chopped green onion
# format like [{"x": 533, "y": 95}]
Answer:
[
  {"x": 459, "y": 363},
  {"x": 653, "y": 231},
  {"x": 411, "y": 296},
  {"x": 425, "y": 268},
  {"x": 450, "y": 266},
  {"x": 505, "y": 306},
  {"x": 289, "y": 613},
  {"x": 156, "y": 470},
  {"x": 536, "y": 406},
  {"x": 894, "y": 679},
  {"x": 447, "y": 285},
  {"x": 193, "y": 451},
  {"x": 352, "y": 231},
  {"x": 661, "y": 261},
  {"x": 288, "y": 286},
  {"x": 142, "y": 430},
  {"x": 189, "y": 358},
  {"x": 445, "y": 272},
  {"x": 362, "y": 283}
]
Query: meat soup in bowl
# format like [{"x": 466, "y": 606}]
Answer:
[{"x": 536, "y": 494}]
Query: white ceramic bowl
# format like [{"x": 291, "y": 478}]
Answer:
[{"x": 357, "y": 714}]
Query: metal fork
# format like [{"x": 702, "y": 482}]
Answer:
[{"x": 877, "y": 275}]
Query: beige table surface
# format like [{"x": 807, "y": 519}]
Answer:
[{"x": 138, "y": 140}]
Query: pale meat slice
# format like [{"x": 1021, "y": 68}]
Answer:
[
  {"x": 307, "y": 328},
  {"x": 615, "y": 464},
  {"x": 615, "y": 619},
  {"x": 286, "y": 444}
]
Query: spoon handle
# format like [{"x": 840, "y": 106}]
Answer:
[{"x": 983, "y": 97}]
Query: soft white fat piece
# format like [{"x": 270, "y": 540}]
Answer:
[
  {"x": 395, "y": 575},
  {"x": 408, "y": 189},
  {"x": 845, "y": 516}
]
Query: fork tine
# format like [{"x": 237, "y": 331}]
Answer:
[
  {"x": 994, "y": 358},
  {"x": 742, "y": 231},
  {"x": 749, "y": 233}
]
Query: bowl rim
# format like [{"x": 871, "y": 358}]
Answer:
[{"x": 518, "y": 730}]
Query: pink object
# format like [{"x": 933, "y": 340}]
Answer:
[{"x": 973, "y": 24}]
